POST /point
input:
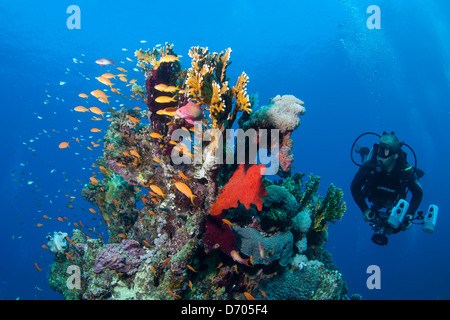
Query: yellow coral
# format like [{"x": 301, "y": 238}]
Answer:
[
  {"x": 207, "y": 85},
  {"x": 146, "y": 57},
  {"x": 152, "y": 57},
  {"x": 317, "y": 217},
  {"x": 239, "y": 92}
]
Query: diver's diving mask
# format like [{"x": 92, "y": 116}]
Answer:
[{"x": 385, "y": 151}]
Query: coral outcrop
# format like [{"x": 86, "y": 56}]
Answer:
[{"x": 181, "y": 222}]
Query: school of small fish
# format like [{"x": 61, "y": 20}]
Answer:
[{"x": 81, "y": 140}]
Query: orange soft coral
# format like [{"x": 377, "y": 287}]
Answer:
[{"x": 245, "y": 187}]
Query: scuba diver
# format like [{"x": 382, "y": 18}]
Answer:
[{"x": 384, "y": 179}]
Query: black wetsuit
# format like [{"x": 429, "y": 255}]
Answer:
[{"x": 384, "y": 190}]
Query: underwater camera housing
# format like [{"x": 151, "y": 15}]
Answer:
[
  {"x": 380, "y": 239},
  {"x": 384, "y": 223},
  {"x": 430, "y": 218},
  {"x": 398, "y": 213},
  {"x": 378, "y": 222}
]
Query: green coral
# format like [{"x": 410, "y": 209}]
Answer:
[
  {"x": 330, "y": 209},
  {"x": 114, "y": 187},
  {"x": 294, "y": 185},
  {"x": 311, "y": 188},
  {"x": 280, "y": 206}
]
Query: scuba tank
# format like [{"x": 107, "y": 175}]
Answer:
[{"x": 430, "y": 219}]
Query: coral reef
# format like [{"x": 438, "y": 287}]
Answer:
[{"x": 178, "y": 228}]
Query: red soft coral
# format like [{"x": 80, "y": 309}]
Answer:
[
  {"x": 245, "y": 186},
  {"x": 219, "y": 235}
]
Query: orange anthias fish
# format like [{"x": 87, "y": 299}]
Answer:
[
  {"x": 248, "y": 296},
  {"x": 176, "y": 296},
  {"x": 236, "y": 257},
  {"x": 165, "y": 99},
  {"x": 184, "y": 176},
  {"x": 37, "y": 267},
  {"x": 157, "y": 190},
  {"x": 133, "y": 119},
  {"x": 69, "y": 256},
  {"x": 71, "y": 242},
  {"x": 63, "y": 145},
  {"x": 171, "y": 112},
  {"x": 103, "y": 100},
  {"x": 81, "y": 109},
  {"x": 105, "y": 81},
  {"x": 93, "y": 180},
  {"x": 156, "y": 135},
  {"x": 183, "y": 188},
  {"x": 134, "y": 153},
  {"x": 96, "y": 111},
  {"x": 228, "y": 222},
  {"x": 192, "y": 269},
  {"x": 83, "y": 95},
  {"x": 108, "y": 75},
  {"x": 96, "y": 130},
  {"x": 168, "y": 58},
  {"x": 161, "y": 87},
  {"x": 99, "y": 93},
  {"x": 165, "y": 88}
]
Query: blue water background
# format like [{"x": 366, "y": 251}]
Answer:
[{"x": 351, "y": 79}]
